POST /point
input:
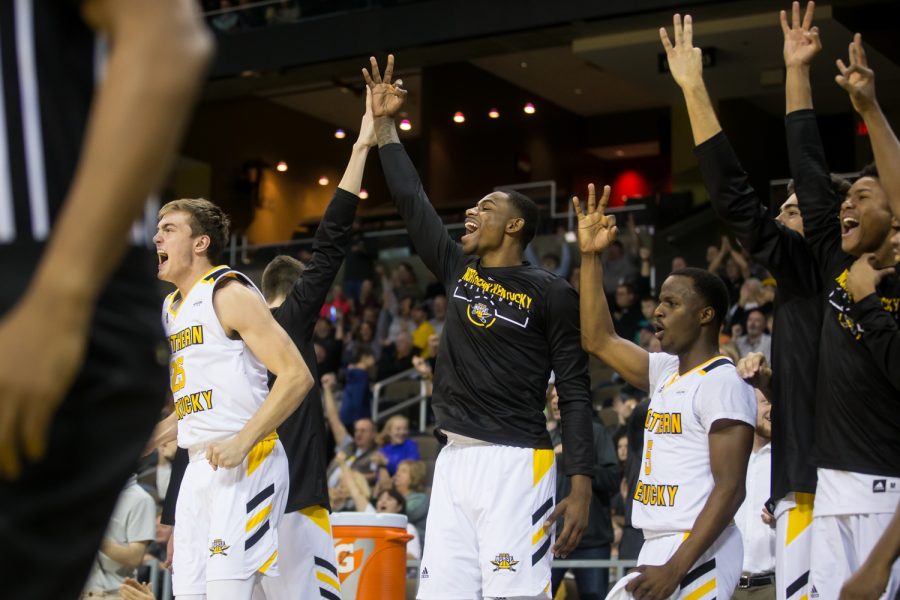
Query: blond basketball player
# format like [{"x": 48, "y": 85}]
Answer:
[{"x": 222, "y": 339}]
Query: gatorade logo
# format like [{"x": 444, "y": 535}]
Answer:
[{"x": 879, "y": 486}]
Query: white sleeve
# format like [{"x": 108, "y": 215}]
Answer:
[
  {"x": 141, "y": 521},
  {"x": 660, "y": 365},
  {"x": 413, "y": 546},
  {"x": 726, "y": 396}
]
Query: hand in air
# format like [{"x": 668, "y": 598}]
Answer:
[
  {"x": 685, "y": 61},
  {"x": 754, "y": 369},
  {"x": 387, "y": 97},
  {"x": 801, "y": 39},
  {"x": 596, "y": 231},
  {"x": 858, "y": 80}
]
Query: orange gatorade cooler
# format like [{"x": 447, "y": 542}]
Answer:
[{"x": 371, "y": 555}]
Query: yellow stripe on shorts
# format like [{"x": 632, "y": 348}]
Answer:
[
  {"x": 800, "y": 517},
  {"x": 543, "y": 460},
  {"x": 259, "y": 517},
  {"x": 326, "y": 579},
  {"x": 538, "y": 536},
  {"x": 269, "y": 562},
  {"x": 260, "y": 452},
  {"x": 702, "y": 590},
  {"x": 318, "y": 515}
]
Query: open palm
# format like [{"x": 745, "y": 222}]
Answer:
[
  {"x": 387, "y": 97},
  {"x": 596, "y": 231}
]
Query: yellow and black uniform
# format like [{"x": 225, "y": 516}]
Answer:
[
  {"x": 50, "y": 61},
  {"x": 506, "y": 329},
  {"x": 857, "y": 449},
  {"x": 795, "y": 352},
  {"x": 226, "y": 520}
]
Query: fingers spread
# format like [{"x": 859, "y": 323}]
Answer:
[
  {"x": 808, "y": 16},
  {"x": 376, "y": 74},
  {"x": 389, "y": 68},
  {"x": 688, "y": 30},
  {"x": 664, "y": 38}
]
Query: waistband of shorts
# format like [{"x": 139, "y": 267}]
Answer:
[
  {"x": 198, "y": 451},
  {"x": 655, "y": 535}
]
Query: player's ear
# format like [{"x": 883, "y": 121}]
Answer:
[
  {"x": 201, "y": 244},
  {"x": 707, "y": 315},
  {"x": 515, "y": 225}
]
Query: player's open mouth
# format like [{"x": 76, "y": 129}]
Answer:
[
  {"x": 658, "y": 330},
  {"x": 471, "y": 227},
  {"x": 848, "y": 225},
  {"x": 163, "y": 258}
]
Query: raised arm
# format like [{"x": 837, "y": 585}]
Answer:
[
  {"x": 242, "y": 311},
  {"x": 332, "y": 239},
  {"x": 439, "y": 252},
  {"x": 155, "y": 69},
  {"x": 338, "y": 430},
  {"x": 596, "y": 232},
  {"x": 858, "y": 80},
  {"x": 815, "y": 195}
]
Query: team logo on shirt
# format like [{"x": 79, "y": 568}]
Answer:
[
  {"x": 505, "y": 562},
  {"x": 218, "y": 547},
  {"x": 840, "y": 300},
  {"x": 480, "y": 314},
  {"x": 488, "y": 300}
]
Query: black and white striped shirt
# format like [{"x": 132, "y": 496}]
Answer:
[{"x": 50, "y": 62}]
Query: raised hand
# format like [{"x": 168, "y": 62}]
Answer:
[
  {"x": 858, "y": 79},
  {"x": 754, "y": 369},
  {"x": 387, "y": 97},
  {"x": 596, "y": 231},
  {"x": 801, "y": 39},
  {"x": 685, "y": 61},
  {"x": 367, "y": 127}
]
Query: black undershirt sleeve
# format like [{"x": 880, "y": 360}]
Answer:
[
  {"x": 812, "y": 181},
  {"x": 179, "y": 466},
  {"x": 569, "y": 363},
  {"x": 880, "y": 335},
  {"x": 439, "y": 252}
]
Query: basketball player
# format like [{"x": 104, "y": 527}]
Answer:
[
  {"x": 295, "y": 295},
  {"x": 856, "y": 449},
  {"x": 222, "y": 339},
  {"x": 778, "y": 244},
  {"x": 508, "y": 324},
  {"x": 699, "y": 426},
  {"x": 80, "y": 377}
]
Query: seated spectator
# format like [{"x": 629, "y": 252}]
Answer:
[
  {"x": 396, "y": 357},
  {"x": 423, "y": 329},
  {"x": 753, "y": 295},
  {"x": 367, "y": 298},
  {"x": 352, "y": 490},
  {"x": 409, "y": 481},
  {"x": 396, "y": 444},
  {"x": 439, "y": 308},
  {"x": 648, "y": 307},
  {"x": 618, "y": 266},
  {"x": 360, "y": 449},
  {"x": 557, "y": 263},
  {"x": 361, "y": 338},
  {"x": 756, "y": 339},
  {"x": 324, "y": 337},
  {"x": 627, "y": 315},
  {"x": 129, "y": 533}
]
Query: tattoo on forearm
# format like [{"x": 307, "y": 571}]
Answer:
[{"x": 386, "y": 131}]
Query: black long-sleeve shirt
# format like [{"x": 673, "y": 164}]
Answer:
[
  {"x": 303, "y": 433},
  {"x": 506, "y": 329},
  {"x": 798, "y": 311},
  {"x": 858, "y": 392}
]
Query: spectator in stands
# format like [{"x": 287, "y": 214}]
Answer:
[
  {"x": 423, "y": 329},
  {"x": 409, "y": 481},
  {"x": 367, "y": 298},
  {"x": 405, "y": 282},
  {"x": 130, "y": 530},
  {"x": 360, "y": 449},
  {"x": 362, "y": 338},
  {"x": 756, "y": 339},
  {"x": 559, "y": 263},
  {"x": 396, "y": 357},
  {"x": 358, "y": 267},
  {"x": 605, "y": 482},
  {"x": 339, "y": 302},
  {"x": 352, "y": 492},
  {"x": 439, "y": 309},
  {"x": 729, "y": 264},
  {"x": 622, "y": 448},
  {"x": 396, "y": 444},
  {"x": 627, "y": 314},
  {"x": 679, "y": 263},
  {"x": 618, "y": 266},
  {"x": 324, "y": 337}
]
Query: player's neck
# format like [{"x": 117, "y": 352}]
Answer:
[
  {"x": 198, "y": 269},
  {"x": 508, "y": 255},
  {"x": 699, "y": 353}
]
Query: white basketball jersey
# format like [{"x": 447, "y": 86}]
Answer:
[
  {"x": 675, "y": 478},
  {"x": 216, "y": 381}
]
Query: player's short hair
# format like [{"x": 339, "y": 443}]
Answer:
[
  {"x": 839, "y": 185},
  {"x": 528, "y": 210},
  {"x": 711, "y": 289},
  {"x": 205, "y": 219},
  {"x": 870, "y": 170},
  {"x": 280, "y": 275},
  {"x": 417, "y": 474}
]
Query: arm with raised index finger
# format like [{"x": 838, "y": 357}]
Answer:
[
  {"x": 858, "y": 80},
  {"x": 596, "y": 232},
  {"x": 438, "y": 251}
]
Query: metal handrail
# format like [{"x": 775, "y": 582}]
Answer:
[{"x": 421, "y": 398}]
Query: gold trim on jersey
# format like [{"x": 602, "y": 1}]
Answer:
[
  {"x": 699, "y": 367},
  {"x": 543, "y": 460},
  {"x": 260, "y": 452},
  {"x": 176, "y": 295}
]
